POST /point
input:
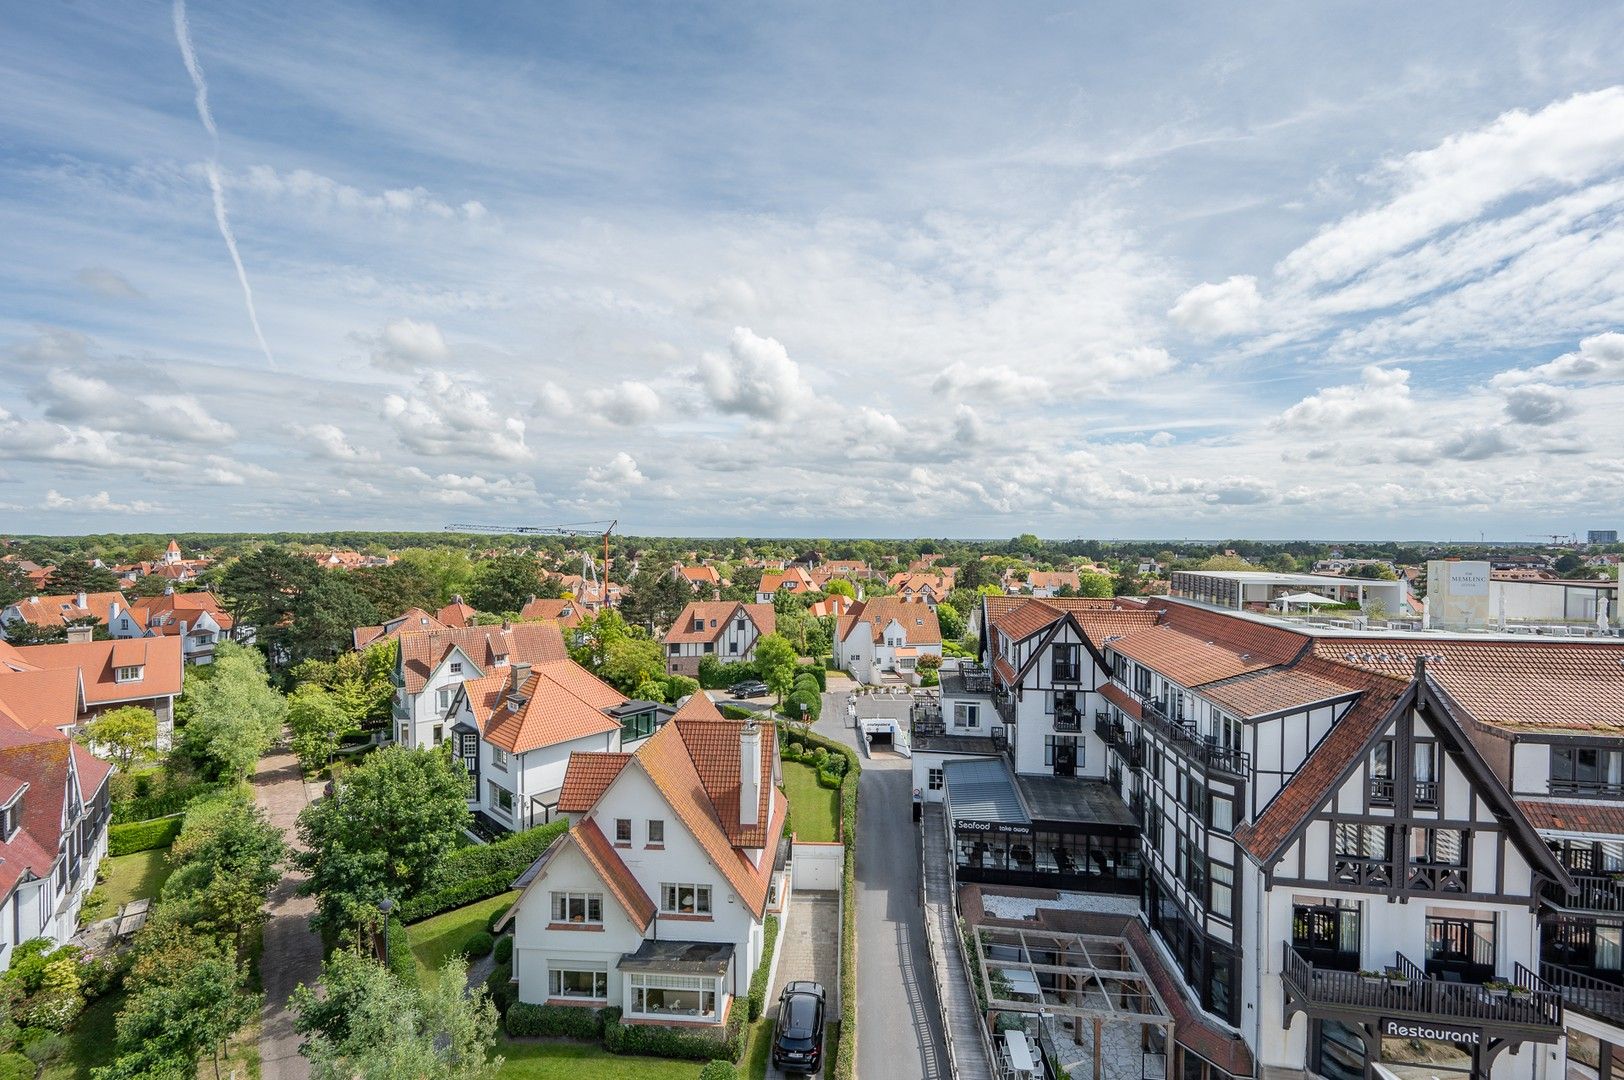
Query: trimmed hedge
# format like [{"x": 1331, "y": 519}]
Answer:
[
  {"x": 817, "y": 671},
  {"x": 650, "y": 1040},
  {"x": 758, "y": 981},
  {"x": 737, "y": 712},
  {"x": 479, "y": 944},
  {"x": 554, "y": 1021},
  {"x": 499, "y": 984},
  {"x": 504, "y": 949},
  {"x": 135, "y": 836},
  {"x": 401, "y": 961},
  {"x": 719, "y": 1070},
  {"x": 479, "y": 872},
  {"x": 715, "y": 675}
]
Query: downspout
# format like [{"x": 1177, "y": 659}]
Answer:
[{"x": 1257, "y": 979}]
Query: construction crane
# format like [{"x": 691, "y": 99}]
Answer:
[
  {"x": 1556, "y": 539},
  {"x": 574, "y": 529}
]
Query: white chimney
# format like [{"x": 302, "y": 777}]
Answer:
[
  {"x": 80, "y": 600},
  {"x": 750, "y": 773}
]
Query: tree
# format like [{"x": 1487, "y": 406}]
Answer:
[
  {"x": 593, "y": 637},
  {"x": 14, "y": 584},
  {"x": 318, "y": 723},
  {"x": 263, "y": 590},
  {"x": 1096, "y": 585},
  {"x": 975, "y": 573},
  {"x": 78, "y": 575},
  {"x": 840, "y": 587},
  {"x": 233, "y": 715},
  {"x": 1224, "y": 562},
  {"x": 1126, "y": 582},
  {"x": 371, "y": 1026},
  {"x": 128, "y": 734},
  {"x": 775, "y": 659},
  {"x": 505, "y": 583},
  {"x": 393, "y": 589},
  {"x": 227, "y": 858},
  {"x": 654, "y": 599},
  {"x": 361, "y": 683},
  {"x": 951, "y": 622},
  {"x": 629, "y": 662},
  {"x": 326, "y": 616},
  {"x": 448, "y": 571},
  {"x": 382, "y": 833},
  {"x": 167, "y": 1023}
]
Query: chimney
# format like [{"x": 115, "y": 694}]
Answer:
[
  {"x": 80, "y": 635},
  {"x": 169, "y": 590},
  {"x": 750, "y": 773},
  {"x": 80, "y": 600},
  {"x": 521, "y": 675}
]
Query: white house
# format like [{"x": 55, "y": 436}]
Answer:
[
  {"x": 795, "y": 579},
  {"x": 433, "y": 665},
  {"x": 655, "y": 899},
  {"x": 196, "y": 618},
  {"x": 725, "y": 629},
  {"x": 515, "y": 731},
  {"x": 886, "y": 634}
]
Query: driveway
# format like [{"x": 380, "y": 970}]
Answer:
[
  {"x": 809, "y": 949},
  {"x": 292, "y": 953},
  {"x": 899, "y": 1032}
]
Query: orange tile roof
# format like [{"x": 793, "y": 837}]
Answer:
[
  {"x": 701, "y": 575},
  {"x": 1020, "y": 621},
  {"x": 587, "y": 777},
  {"x": 1275, "y": 690},
  {"x": 560, "y": 702},
  {"x": 918, "y": 621},
  {"x": 58, "y": 610},
  {"x": 1121, "y": 699},
  {"x": 457, "y": 613},
  {"x": 41, "y": 699},
  {"x": 421, "y": 651},
  {"x": 1595, "y": 817},
  {"x": 412, "y": 619},
  {"x": 699, "y": 706},
  {"x": 161, "y": 658},
  {"x": 613, "y": 872},
  {"x": 564, "y": 612},
  {"x": 163, "y": 614}
]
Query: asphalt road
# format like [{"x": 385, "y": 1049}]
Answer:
[{"x": 899, "y": 1022}]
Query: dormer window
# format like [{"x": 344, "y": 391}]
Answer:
[
  {"x": 128, "y": 674},
  {"x": 501, "y": 661},
  {"x": 10, "y": 816}
]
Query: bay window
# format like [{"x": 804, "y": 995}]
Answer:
[{"x": 690, "y": 996}]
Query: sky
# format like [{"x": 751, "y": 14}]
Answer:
[{"x": 1274, "y": 270}]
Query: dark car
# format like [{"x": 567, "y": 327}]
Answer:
[
  {"x": 752, "y": 688},
  {"x": 798, "y": 1039}
]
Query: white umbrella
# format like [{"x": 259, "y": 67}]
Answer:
[{"x": 1303, "y": 598}]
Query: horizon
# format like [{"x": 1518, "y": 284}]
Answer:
[{"x": 814, "y": 272}]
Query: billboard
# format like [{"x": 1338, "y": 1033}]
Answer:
[{"x": 1458, "y": 594}]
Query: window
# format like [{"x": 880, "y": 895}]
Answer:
[
  {"x": 501, "y": 800},
  {"x": 499, "y": 757},
  {"x": 1584, "y": 770},
  {"x": 456, "y": 667},
  {"x": 935, "y": 779},
  {"x": 9, "y": 818},
  {"x": 1363, "y": 841},
  {"x": 673, "y": 650},
  {"x": 470, "y": 749},
  {"x": 656, "y": 832},
  {"x": 733, "y": 647},
  {"x": 709, "y": 646},
  {"x": 966, "y": 714},
  {"x": 127, "y": 674},
  {"x": 636, "y": 726},
  {"x": 587, "y": 982},
  {"x": 1067, "y": 665},
  {"x": 1438, "y": 847},
  {"x": 1220, "y": 889},
  {"x": 442, "y": 697},
  {"x": 577, "y": 907},
  {"x": 623, "y": 830},
  {"x": 673, "y": 995},
  {"x": 439, "y": 734},
  {"x": 685, "y": 899},
  {"x": 1220, "y": 812}
]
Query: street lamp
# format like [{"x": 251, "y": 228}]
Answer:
[{"x": 385, "y": 907}]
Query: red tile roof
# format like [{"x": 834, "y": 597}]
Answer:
[
  {"x": 1595, "y": 818},
  {"x": 457, "y": 613},
  {"x": 918, "y": 621},
  {"x": 560, "y": 702},
  {"x": 422, "y": 651},
  {"x": 159, "y": 658},
  {"x": 1260, "y": 693},
  {"x": 714, "y": 617},
  {"x": 407, "y": 621},
  {"x": 1121, "y": 699},
  {"x": 586, "y": 778},
  {"x": 564, "y": 612},
  {"x": 58, "y": 610},
  {"x": 162, "y": 615},
  {"x": 613, "y": 872}
]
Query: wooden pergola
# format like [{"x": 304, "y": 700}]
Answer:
[{"x": 1089, "y": 977}]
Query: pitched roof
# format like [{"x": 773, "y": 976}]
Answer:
[
  {"x": 700, "y": 575},
  {"x": 58, "y": 610},
  {"x": 43, "y": 763},
  {"x": 711, "y": 616},
  {"x": 699, "y": 706},
  {"x": 421, "y": 651},
  {"x": 1017, "y": 622},
  {"x": 1193, "y": 646},
  {"x": 1594, "y": 817},
  {"x": 795, "y": 579},
  {"x": 160, "y": 658},
  {"x": 587, "y": 777},
  {"x": 456, "y": 613},
  {"x": 407, "y": 621},
  {"x": 565, "y": 612},
  {"x": 40, "y": 699},
  {"x": 613, "y": 872},
  {"x": 1260, "y": 693},
  {"x": 1121, "y": 699},
  {"x": 918, "y": 621},
  {"x": 164, "y": 613},
  {"x": 560, "y": 702}
]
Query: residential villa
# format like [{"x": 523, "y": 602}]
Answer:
[
  {"x": 195, "y": 618},
  {"x": 794, "y": 579},
  {"x": 725, "y": 629},
  {"x": 924, "y": 588},
  {"x": 886, "y": 636},
  {"x": 412, "y": 620},
  {"x": 705, "y": 580},
  {"x": 433, "y": 665},
  {"x": 654, "y": 902},
  {"x": 46, "y": 612},
  {"x": 61, "y": 686},
  {"x": 566, "y": 613},
  {"x": 457, "y": 613}
]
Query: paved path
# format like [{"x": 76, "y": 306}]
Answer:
[
  {"x": 960, "y": 1010},
  {"x": 809, "y": 949},
  {"x": 292, "y": 952},
  {"x": 899, "y": 1029}
]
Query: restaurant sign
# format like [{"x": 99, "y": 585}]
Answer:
[
  {"x": 999, "y": 828},
  {"x": 1427, "y": 1029}
]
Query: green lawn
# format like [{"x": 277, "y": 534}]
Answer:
[
  {"x": 89, "y": 1044},
  {"x": 758, "y": 1050},
  {"x": 435, "y": 940},
  {"x": 814, "y": 810},
  {"x": 134, "y": 877},
  {"x": 549, "y": 1059}
]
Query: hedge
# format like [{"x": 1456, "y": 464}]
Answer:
[
  {"x": 715, "y": 675},
  {"x": 818, "y": 672},
  {"x": 401, "y": 960},
  {"x": 162, "y": 803},
  {"x": 719, "y": 1070},
  {"x": 136, "y": 836},
  {"x": 499, "y": 984},
  {"x": 15, "y": 1066},
  {"x": 554, "y": 1021},
  {"x": 845, "y": 1058},
  {"x": 504, "y": 949},
  {"x": 758, "y": 981},
  {"x": 481, "y": 871},
  {"x": 737, "y": 712},
  {"x": 649, "y": 1040},
  {"x": 479, "y": 944}
]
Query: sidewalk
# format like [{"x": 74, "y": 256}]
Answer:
[{"x": 292, "y": 952}]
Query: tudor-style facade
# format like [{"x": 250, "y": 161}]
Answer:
[{"x": 724, "y": 629}]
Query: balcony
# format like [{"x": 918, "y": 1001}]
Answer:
[
  {"x": 1070, "y": 721},
  {"x": 1004, "y": 705},
  {"x": 1533, "y": 1007},
  {"x": 1588, "y": 789},
  {"x": 1596, "y": 892},
  {"x": 1382, "y": 789},
  {"x": 1585, "y": 993},
  {"x": 1191, "y": 744},
  {"x": 1110, "y": 734}
]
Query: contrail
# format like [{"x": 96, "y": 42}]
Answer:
[{"x": 183, "y": 35}]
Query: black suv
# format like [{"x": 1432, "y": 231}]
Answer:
[{"x": 798, "y": 1039}]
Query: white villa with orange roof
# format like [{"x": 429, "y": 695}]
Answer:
[{"x": 886, "y": 635}]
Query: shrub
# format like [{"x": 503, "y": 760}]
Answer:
[
  {"x": 495, "y": 917},
  {"x": 479, "y": 944},
  {"x": 504, "y": 949},
  {"x": 828, "y": 778},
  {"x": 737, "y": 712},
  {"x": 794, "y": 751},
  {"x": 650, "y": 1040},
  {"x": 91, "y": 910},
  {"x": 16, "y": 1067},
  {"x": 819, "y": 757},
  {"x": 401, "y": 961},
  {"x": 719, "y": 1070},
  {"x": 135, "y": 836},
  {"x": 758, "y": 981},
  {"x": 817, "y": 673},
  {"x": 806, "y": 683},
  {"x": 715, "y": 675},
  {"x": 930, "y": 678},
  {"x": 499, "y": 984},
  {"x": 482, "y": 871},
  {"x": 555, "y": 1021},
  {"x": 813, "y": 703}
]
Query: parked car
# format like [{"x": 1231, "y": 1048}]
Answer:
[
  {"x": 798, "y": 1038},
  {"x": 751, "y": 688}
]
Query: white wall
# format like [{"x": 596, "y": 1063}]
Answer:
[
  {"x": 534, "y": 944},
  {"x": 817, "y": 867}
]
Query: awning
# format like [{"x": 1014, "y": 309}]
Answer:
[{"x": 680, "y": 958}]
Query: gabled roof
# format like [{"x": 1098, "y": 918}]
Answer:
[
  {"x": 795, "y": 579},
  {"x": 42, "y": 762},
  {"x": 412, "y": 619},
  {"x": 163, "y": 614},
  {"x": 564, "y": 612},
  {"x": 40, "y": 699},
  {"x": 456, "y": 613},
  {"x": 918, "y": 621},
  {"x": 58, "y": 610},
  {"x": 560, "y": 702},
  {"x": 700, "y": 575},
  {"x": 613, "y": 872},
  {"x": 422, "y": 651},
  {"x": 711, "y": 616},
  {"x": 586, "y": 778},
  {"x": 160, "y": 658}
]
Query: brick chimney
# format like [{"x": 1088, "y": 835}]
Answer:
[
  {"x": 521, "y": 675},
  {"x": 80, "y": 635},
  {"x": 750, "y": 773}
]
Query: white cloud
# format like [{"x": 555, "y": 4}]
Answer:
[
  {"x": 442, "y": 417},
  {"x": 409, "y": 345},
  {"x": 52, "y": 345},
  {"x": 1381, "y": 395},
  {"x": 1140, "y": 362},
  {"x": 329, "y": 441},
  {"x": 314, "y": 189},
  {"x": 1538, "y": 403},
  {"x": 1213, "y": 310},
  {"x": 109, "y": 283},
  {"x": 1597, "y": 359},
  {"x": 619, "y": 473},
  {"x": 625, "y": 404},
  {"x": 553, "y": 400},
  {"x": 76, "y": 398},
  {"x": 755, "y": 377},
  {"x": 458, "y": 489},
  {"x": 100, "y": 501},
  {"x": 992, "y": 382}
]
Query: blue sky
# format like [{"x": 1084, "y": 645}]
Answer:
[{"x": 822, "y": 269}]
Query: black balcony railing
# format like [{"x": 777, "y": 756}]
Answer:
[
  {"x": 1187, "y": 741},
  {"x": 1111, "y": 734},
  {"x": 1425, "y": 792},
  {"x": 1585, "y": 993},
  {"x": 1004, "y": 705},
  {"x": 1071, "y": 720},
  {"x": 1600, "y": 789},
  {"x": 1595, "y": 892},
  {"x": 1404, "y": 990}
]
